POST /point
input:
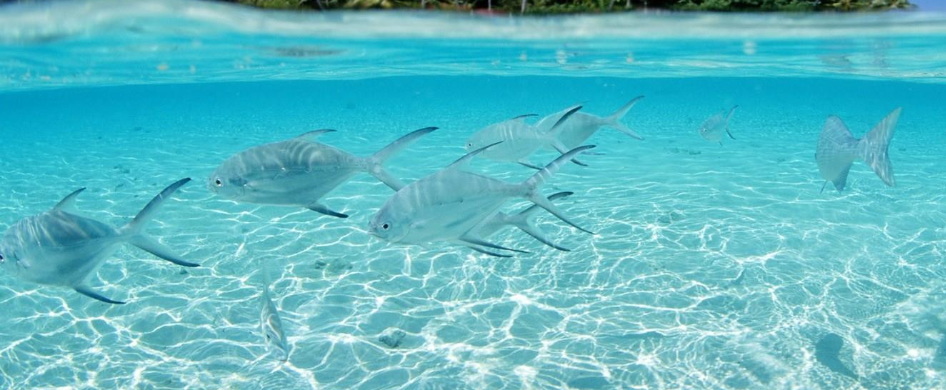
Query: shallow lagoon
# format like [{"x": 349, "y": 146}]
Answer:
[{"x": 713, "y": 266}]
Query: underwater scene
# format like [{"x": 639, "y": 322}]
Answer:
[{"x": 208, "y": 196}]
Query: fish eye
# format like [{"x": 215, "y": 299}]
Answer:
[
  {"x": 385, "y": 226},
  {"x": 218, "y": 182},
  {"x": 1, "y": 257}
]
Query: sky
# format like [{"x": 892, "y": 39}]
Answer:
[{"x": 930, "y": 5}]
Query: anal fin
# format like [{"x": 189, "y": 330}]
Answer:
[{"x": 841, "y": 180}]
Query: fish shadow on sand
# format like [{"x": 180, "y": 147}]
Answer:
[
  {"x": 827, "y": 352},
  {"x": 684, "y": 151}
]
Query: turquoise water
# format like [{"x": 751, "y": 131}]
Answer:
[{"x": 716, "y": 267}]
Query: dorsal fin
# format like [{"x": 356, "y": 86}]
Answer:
[
  {"x": 729, "y": 115},
  {"x": 556, "y": 129},
  {"x": 68, "y": 202},
  {"x": 523, "y": 116},
  {"x": 313, "y": 135},
  {"x": 464, "y": 161}
]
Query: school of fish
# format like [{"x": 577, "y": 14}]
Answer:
[{"x": 453, "y": 205}]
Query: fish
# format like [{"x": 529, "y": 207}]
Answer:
[
  {"x": 713, "y": 128},
  {"x": 514, "y": 140},
  {"x": 582, "y": 125},
  {"x": 300, "y": 171},
  {"x": 60, "y": 248},
  {"x": 838, "y": 149},
  {"x": 271, "y": 323},
  {"x": 449, "y": 205},
  {"x": 521, "y": 220}
]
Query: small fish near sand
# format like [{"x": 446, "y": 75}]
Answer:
[
  {"x": 514, "y": 140},
  {"x": 271, "y": 323},
  {"x": 582, "y": 125},
  {"x": 451, "y": 204},
  {"x": 60, "y": 248},
  {"x": 300, "y": 171},
  {"x": 713, "y": 128},
  {"x": 838, "y": 149}
]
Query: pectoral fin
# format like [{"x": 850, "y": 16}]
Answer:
[{"x": 94, "y": 295}]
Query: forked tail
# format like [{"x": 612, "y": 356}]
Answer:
[
  {"x": 728, "y": 117},
  {"x": 134, "y": 228},
  {"x": 873, "y": 147},
  {"x": 375, "y": 162},
  {"x": 523, "y": 221},
  {"x": 615, "y": 120},
  {"x": 532, "y": 185}
]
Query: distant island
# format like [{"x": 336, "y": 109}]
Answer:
[{"x": 587, "y": 6}]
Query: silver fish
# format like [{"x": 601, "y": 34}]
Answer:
[
  {"x": 449, "y": 205},
  {"x": 582, "y": 126},
  {"x": 713, "y": 128},
  {"x": 514, "y": 140},
  {"x": 271, "y": 323},
  {"x": 838, "y": 149},
  {"x": 521, "y": 220},
  {"x": 59, "y": 248},
  {"x": 300, "y": 171}
]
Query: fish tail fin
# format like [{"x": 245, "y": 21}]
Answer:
[
  {"x": 528, "y": 228},
  {"x": 615, "y": 120},
  {"x": 523, "y": 221},
  {"x": 544, "y": 174},
  {"x": 729, "y": 116},
  {"x": 873, "y": 147},
  {"x": 532, "y": 185},
  {"x": 134, "y": 228},
  {"x": 146, "y": 214},
  {"x": 377, "y": 160},
  {"x": 531, "y": 210},
  {"x": 267, "y": 278},
  {"x": 158, "y": 249}
]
